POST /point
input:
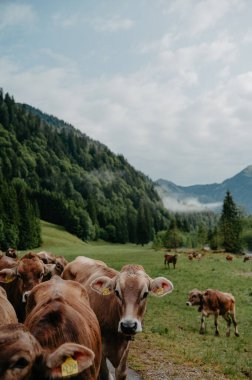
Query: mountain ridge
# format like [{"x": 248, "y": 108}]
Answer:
[{"x": 240, "y": 185}]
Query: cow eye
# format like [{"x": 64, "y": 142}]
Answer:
[
  {"x": 21, "y": 363},
  {"x": 145, "y": 295},
  {"x": 117, "y": 294}
]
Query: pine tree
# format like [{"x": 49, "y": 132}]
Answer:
[{"x": 230, "y": 225}]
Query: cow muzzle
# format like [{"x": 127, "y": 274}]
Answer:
[
  {"x": 25, "y": 296},
  {"x": 189, "y": 303},
  {"x": 130, "y": 326}
]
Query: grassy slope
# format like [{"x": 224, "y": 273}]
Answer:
[{"x": 171, "y": 328}]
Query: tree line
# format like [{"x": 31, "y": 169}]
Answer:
[{"x": 73, "y": 180}]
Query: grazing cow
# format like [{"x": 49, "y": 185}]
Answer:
[
  {"x": 190, "y": 256},
  {"x": 229, "y": 257},
  {"x": 7, "y": 312},
  {"x": 19, "y": 278},
  {"x": 247, "y": 258},
  {"x": 58, "y": 311},
  {"x": 22, "y": 357},
  {"x": 119, "y": 301},
  {"x": 216, "y": 303},
  {"x": 170, "y": 259}
]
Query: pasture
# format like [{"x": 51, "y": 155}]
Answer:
[{"x": 171, "y": 329}]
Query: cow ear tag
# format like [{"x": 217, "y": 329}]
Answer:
[
  {"x": 106, "y": 292},
  {"x": 69, "y": 367},
  {"x": 160, "y": 291},
  {"x": 9, "y": 279}
]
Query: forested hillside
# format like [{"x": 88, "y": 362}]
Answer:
[{"x": 73, "y": 181}]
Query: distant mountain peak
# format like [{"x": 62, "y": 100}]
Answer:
[
  {"x": 212, "y": 195},
  {"x": 248, "y": 171}
]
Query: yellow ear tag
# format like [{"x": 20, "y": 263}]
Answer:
[
  {"x": 69, "y": 367},
  {"x": 9, "y": 279},
  {"x": 160, "y": 291},
  {"x": 106, "y": 292}
]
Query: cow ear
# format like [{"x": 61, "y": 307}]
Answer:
[
  {"x": 161, "y": 286},
  {"x": 68, "y": 360},
  {"x": 102, "y": 285},
  {"x": 8, "y": 275}
]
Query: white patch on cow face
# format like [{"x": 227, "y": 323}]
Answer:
[{"x": 129, "y": 326}]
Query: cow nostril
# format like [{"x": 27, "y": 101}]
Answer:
[{"x": 129, "y": 327}]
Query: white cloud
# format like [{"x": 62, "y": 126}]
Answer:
[
  {"x": 112, "y": 24},
  {"x": 187, "y": 204},
  {"x": 14, "y": 14}
]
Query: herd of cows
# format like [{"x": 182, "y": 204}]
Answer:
[{"x": 62, "y": 319}]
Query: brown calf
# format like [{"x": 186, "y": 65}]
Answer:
[
  {"x": 19, "y": 277},
  {"x": 22, "y": 357},
  {"x": 229, "y": 257},
  {"x": 58, "y": 311},
  {"x": 119, "y": 302},
  {"x": 170, "y": 259},
  {"x": 214, "y": 302},
  {"x": 7, "y": 312}
]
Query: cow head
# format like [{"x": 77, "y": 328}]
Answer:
[
  {"x": 195, "y": 297},
  {"x": 130, "y": 288},
  {"x": 21, "y": 357},
  {"x": 29, "y": 272}
]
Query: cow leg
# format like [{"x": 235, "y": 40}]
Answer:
[
  {"x": 228, "y": 319},
  {"x": 104, "y": 373},
  {"x": 202, "y": 325},
  {"x": 121, "y": 370},
  {"x": 216, "y": 325},
  {"x": 235, "y": 324}
]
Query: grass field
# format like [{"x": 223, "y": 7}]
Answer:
[{"x": 171, "y": 329}]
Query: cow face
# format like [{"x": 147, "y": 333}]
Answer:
[
  {"x": 22, "y": 358},
  {"x": 195, "y": 297},
  {"x": 29, "y": 272},
  {"x": 131, "y": 288},
  {"x": 18, "y": 351}
]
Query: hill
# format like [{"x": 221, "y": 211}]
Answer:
[
  {"x": 74, "y": 181},
  {"x": 198, "y": 197}
]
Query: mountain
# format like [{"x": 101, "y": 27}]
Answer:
[
  {"x": 200, "y": 197},
  {"x": 73, "y": 180}
]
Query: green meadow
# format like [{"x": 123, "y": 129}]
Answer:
[{"x": 171, "y": 329}]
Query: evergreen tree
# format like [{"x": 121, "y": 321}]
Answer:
[
  {"x": 144, "y": 223},
  {"x": 231, "y": 225}
]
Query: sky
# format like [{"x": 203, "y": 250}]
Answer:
[{"x": 166, "y": 83}]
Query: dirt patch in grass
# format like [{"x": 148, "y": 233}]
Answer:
[
  {"x": 246, "y": 274},
  {"x": 153, "y": 363}
]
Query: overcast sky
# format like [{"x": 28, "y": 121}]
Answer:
[{"x": 166, "y": 83}]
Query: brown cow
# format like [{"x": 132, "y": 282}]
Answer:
[
  {"x": 247, "y": 258},
  {"x": 119, "y": 301},
  {"x": 19, "y": 278},
  {"x": 170, "y": 259},
  {"x": 11, "y": 252},
  {"x": 58, "y": 311},
  {"x": 49, "y": 258},
  {"x": 7, "y": 312},
  {"x": 216, "y": 303},
  {"x": 22, "y": 357},
  {"x": 229, "y": 257}
]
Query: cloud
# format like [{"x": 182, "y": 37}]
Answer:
[
  {"x": 112, "y": 24},
  {"x": 14, "y": 14},
  {"x": 186, "y": 205},
  {"x": 204, "y": 14}
]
